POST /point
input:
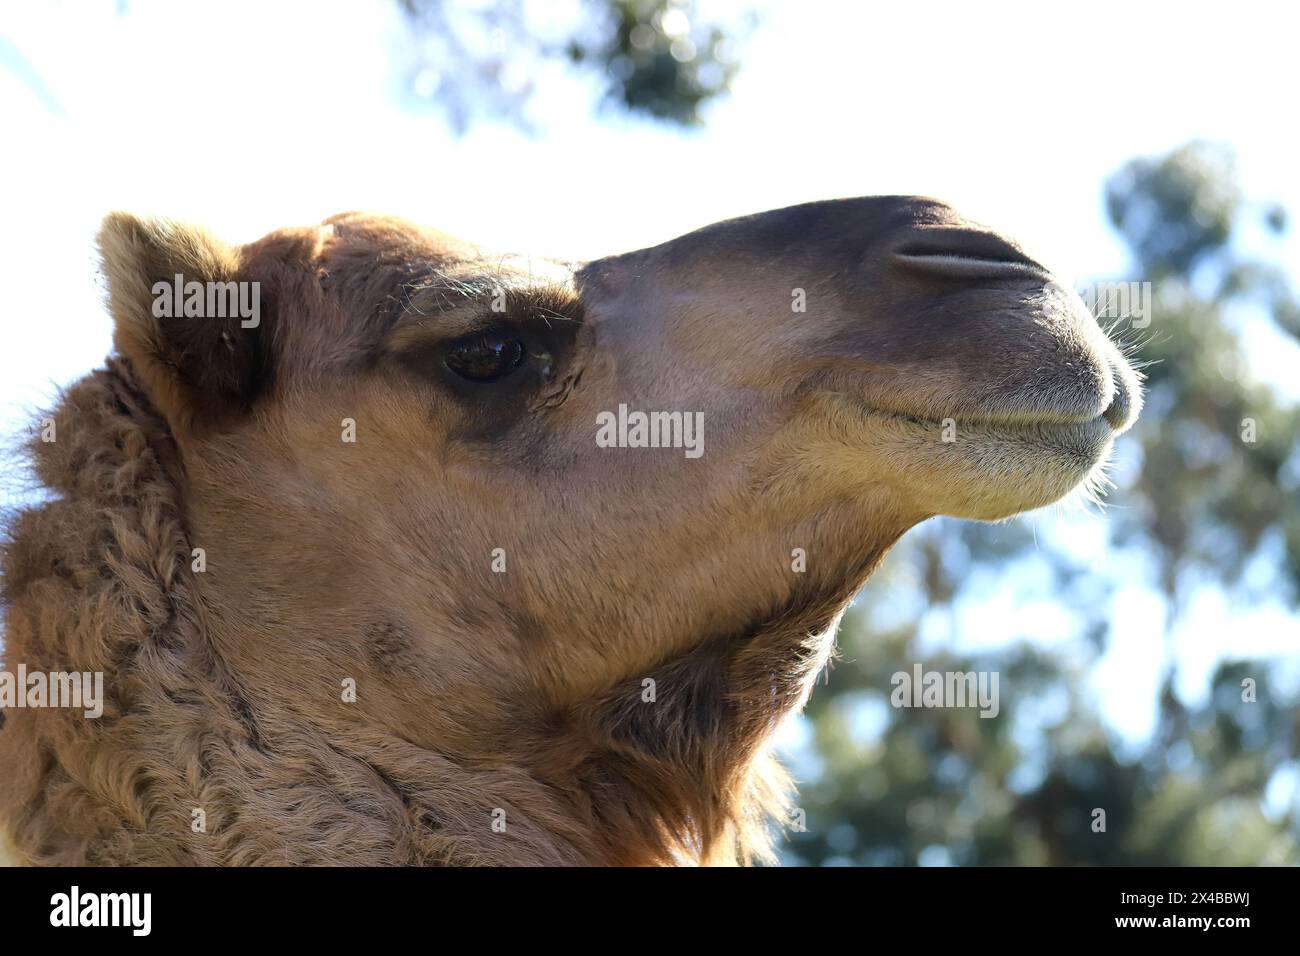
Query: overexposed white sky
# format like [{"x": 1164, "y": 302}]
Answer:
[{"x": 249, "y": 115}]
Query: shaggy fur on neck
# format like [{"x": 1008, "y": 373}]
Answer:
[{"x": 98, "y": 579}]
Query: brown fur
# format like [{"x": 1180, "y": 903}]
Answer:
[{"x": 480, "y": 693}]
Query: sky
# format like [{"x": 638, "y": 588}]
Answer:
[{"x": 248, "y": 116}]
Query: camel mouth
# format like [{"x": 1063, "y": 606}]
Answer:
[
  {"x": 987, "y": 468},
  {"x": 1054, "y": 415},
  {"x": 990, "y": 461},
  {"x": 1056, "y": 432},
  {"x": 1050, "y": 419}
]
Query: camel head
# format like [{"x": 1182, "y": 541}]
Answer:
[{"x": 427, "y": 554}]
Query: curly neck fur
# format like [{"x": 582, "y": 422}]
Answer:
[{"x": 187, "y": 767}]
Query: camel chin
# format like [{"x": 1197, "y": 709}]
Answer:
[{"x": 995, "y": 471}]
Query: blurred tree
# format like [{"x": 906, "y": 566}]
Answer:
[
  {"x": 653, "y": 58},
  {"x": 1215, "y": 502}
]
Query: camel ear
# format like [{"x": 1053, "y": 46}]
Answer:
[{"x": 191, "y": 326}]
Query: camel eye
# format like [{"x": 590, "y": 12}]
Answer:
[{"x": 486, "y": 356}]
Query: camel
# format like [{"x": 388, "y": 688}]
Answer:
[{"x": 366, "y": 589}]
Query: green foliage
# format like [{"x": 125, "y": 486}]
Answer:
[
  {"x": 654, "y": 58},
  {"x": 660, "y": 61},
  {"x": 1219, "y": 450},
  {"x": 1174, "y": 210}
]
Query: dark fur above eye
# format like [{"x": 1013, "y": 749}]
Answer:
[{"x": 485, "y": 356}]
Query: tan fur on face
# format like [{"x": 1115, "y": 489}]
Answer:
[{"x": 518, "y": 696}]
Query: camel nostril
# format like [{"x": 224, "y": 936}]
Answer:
[{"x": 961, "y": 253}]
